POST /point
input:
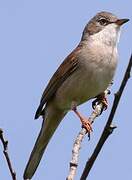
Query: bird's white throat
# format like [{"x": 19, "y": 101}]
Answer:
[{"x": 109, "y": 35}]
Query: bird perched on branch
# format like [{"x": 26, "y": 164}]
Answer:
[{"x": 83, "y": 75}]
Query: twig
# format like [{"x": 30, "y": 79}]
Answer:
[
  {"x": 5, "y": 151},
  {"x": 108, "y": 129},
  {"x": 77, "y": 144}
]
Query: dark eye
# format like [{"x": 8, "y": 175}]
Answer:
[{"x": 103, "y": 21}]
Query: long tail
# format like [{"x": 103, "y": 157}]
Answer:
[{"x": 48, "y": 128}]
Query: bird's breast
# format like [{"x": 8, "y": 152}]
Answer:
[{"x": 90, "y": 79}]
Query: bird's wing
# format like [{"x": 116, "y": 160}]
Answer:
[{"x": 69, "y": 65}]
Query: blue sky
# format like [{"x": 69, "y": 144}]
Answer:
[{"x": 35, "y": 37}]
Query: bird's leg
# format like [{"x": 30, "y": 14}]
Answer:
[
  {"x": 85, "y": 121},
  {"x": 100, "y": 99}
]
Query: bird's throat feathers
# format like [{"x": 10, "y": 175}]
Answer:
[{"x": 109, "y": 35}]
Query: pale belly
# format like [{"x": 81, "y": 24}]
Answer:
[{"x": 84, "y": 84}]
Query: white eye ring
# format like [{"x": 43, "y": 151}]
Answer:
[{"x": 103, "y": 21}]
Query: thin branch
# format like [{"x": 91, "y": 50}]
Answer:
[
  {"x": 108, "y": 129},
  {"x": 5, "y": 151},
  {"x": 77, "y": 144}
]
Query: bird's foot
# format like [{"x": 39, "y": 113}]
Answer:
[
  {"x": 100, "y": 99},
  {"x": 85, "y": 122}
]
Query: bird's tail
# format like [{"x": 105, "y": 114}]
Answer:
[{"x": 48, "y": 128}]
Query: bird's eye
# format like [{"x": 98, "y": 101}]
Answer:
[{"x": 103, "y": 21}]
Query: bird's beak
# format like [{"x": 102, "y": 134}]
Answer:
[{"x": 119, "y": 22}]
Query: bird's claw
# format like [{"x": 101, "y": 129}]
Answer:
[
  {"x": 95, "y": 103},
  {"x": 100, "y": 99},
  {"x": 105, "y": 103},
  {"x": 87, "y": 125}
]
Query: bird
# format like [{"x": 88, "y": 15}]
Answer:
[{"x": 83, "y": 75}]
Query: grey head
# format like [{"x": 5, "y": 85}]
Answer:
[{"x": 100, "y": 22}]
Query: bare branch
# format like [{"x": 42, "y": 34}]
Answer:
[
  {"x": 108, "y": 129},
  {"x": 77, "y": 144},
  {"x": 5, "y": 151}
]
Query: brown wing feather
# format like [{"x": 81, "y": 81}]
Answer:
[{"x": 68, "y": 66}]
